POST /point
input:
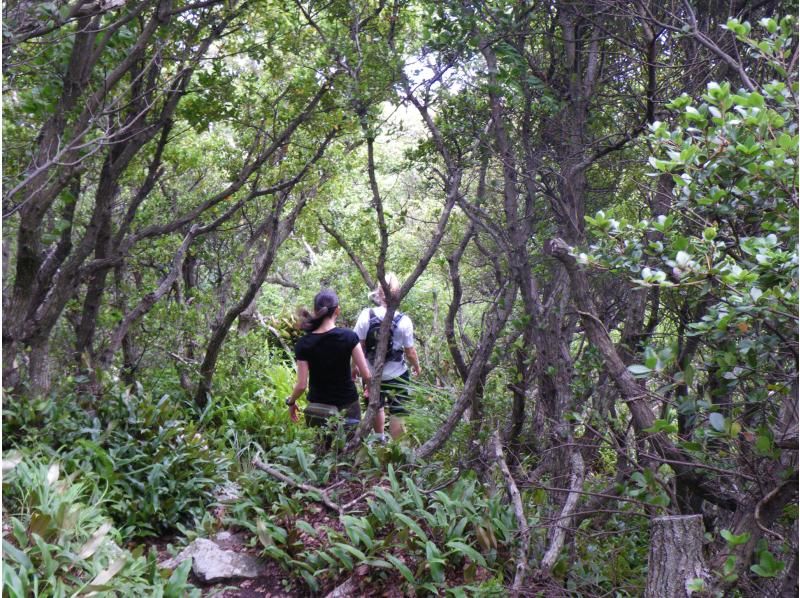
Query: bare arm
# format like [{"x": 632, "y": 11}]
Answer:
[
  {"x": 413, "y": 359},
  {"x": 360, "y": 363},
  {"x": 354, "y": 368},
  {"x": 302, "y": 382}
]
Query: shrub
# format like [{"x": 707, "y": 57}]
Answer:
[
  {"x": 158, "y": 465},
  {"x": 61, "y": 542}
]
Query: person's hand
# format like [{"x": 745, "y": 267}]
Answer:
[
  {"x": 415, "y": 369},
  {"x": 294, "y": 412},
  {"x": 366, "y": 392}
]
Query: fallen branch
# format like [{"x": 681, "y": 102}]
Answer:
[
  {"x": 351, "y": 586},
  {"x": 519, "y": 513},
  {"x": 347, "y": 589},
  {"x": 559, "y": 532},
  {"x": 355, "y": 501},
  {"x": 444, "y": 484},
  {"x": 326, "y": 500}
]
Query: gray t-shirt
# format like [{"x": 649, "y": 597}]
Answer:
[{"x": 402, "y": 338}]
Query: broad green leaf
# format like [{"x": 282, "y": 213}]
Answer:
[
  {"x": 639, "y": 370},
  {"x": 16, "y": 554},
  {"x": 412, "y": 525},
  {"x": 404, "y": 570},
  {"x": 733, "y": 539},
  {"x": 717, "y": 421},
  {"x": 467, "y": 550}
]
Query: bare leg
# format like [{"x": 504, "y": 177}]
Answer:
[
  {"x": 379, "y": 421},
  {"x": 396, "y": 428}
]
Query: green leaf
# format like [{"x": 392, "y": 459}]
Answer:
[
  {"x": 662, "y": 425},
  {"x": 404, "y": 570},
  {"x": 263, "y": 535},
  {"x": 388, "y": 499},
  {"x": 763, "y": 445},
  {"x": 696, "y": 585},
  {"x": 412, "y": 525},
  {"x": 467, "y": 550},
  {"x": 16, "y": 554},
  {"x": 306, "y": 527},
  {"x": 175, "y": 586},
  {"x": 392, "y": 479},
  {"x": 301, "y": 459},
  {"x": 717, "y": 421},
  {"x": 639, "y": 370},
  {"x": 354, "y": 551},
  {"x": 343, "y": 556},
  {"x": 733, "y": 539},
  {"x": 768, "y": 566},
  {"x": 309, "y": 579}
]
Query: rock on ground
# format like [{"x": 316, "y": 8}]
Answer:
[{"x": 210, "y": 563}]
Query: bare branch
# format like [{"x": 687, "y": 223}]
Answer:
[{"x": 521, "y": 568}]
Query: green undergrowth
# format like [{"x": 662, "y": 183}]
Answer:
[
  {"x": 93, "y": 480},
  {"x": 154, "y": 463},
  {"x": 399, "y": 528},
  {"x": 59, "y": 541}
]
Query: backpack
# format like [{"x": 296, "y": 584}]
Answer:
[{"x": 371, "y": 340}]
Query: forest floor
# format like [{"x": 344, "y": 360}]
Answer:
[{"x": 276, "y": 582}]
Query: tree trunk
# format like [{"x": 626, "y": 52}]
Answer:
[
  {"x": 247, "y": 319},
  {"x": 220, "y": 330},
  {"x": 39, "y": 367},
  {"x": 96, "y": 287},
  {"x": 676, "y": 556}
]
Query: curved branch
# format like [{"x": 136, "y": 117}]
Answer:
[
  {"x": 350, "y": 253},
  {"x": 149, "y": 300}
]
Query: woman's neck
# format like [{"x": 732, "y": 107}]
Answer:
[{"x": 326, "y": 325}]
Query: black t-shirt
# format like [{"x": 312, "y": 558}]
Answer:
[{"x": 328, "y": 357}]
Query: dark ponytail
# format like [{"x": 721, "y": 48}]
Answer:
[{"x": 325, "y": 303}]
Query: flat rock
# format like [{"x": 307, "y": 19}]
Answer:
[
  {"x": 210, "y": 563},
  {"x": 228, "y": 492}
]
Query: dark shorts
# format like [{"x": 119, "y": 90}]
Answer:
[
  {"x": 395, "y": 394},
  {"x": 351, "y": 414}
]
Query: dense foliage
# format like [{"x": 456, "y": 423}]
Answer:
[{"x": 592, "y": 206}]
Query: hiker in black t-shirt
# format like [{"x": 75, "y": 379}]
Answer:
[{"x": 323, "y": 360}]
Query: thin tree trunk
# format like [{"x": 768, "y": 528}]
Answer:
[
  {"x": 632, "y": 391},
  {"x": 147, "y": 302},
  {"x": 521, "y": 567},
  {"x": 558, "y": 534},
  {"x": 476, "y": 369}
]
